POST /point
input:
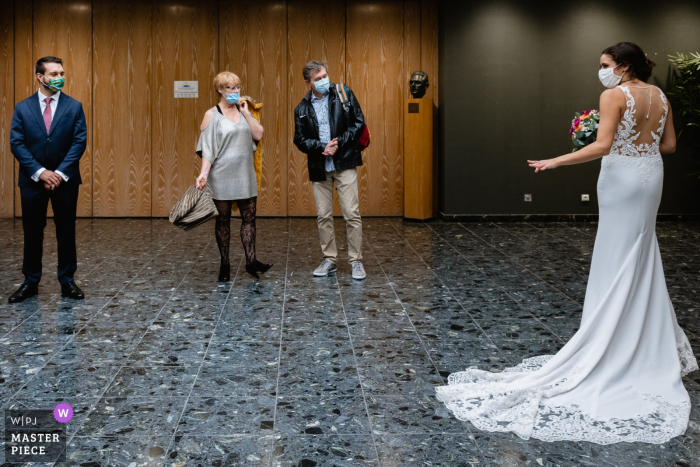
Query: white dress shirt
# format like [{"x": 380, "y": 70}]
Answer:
[{"x": 53, "y": 104}]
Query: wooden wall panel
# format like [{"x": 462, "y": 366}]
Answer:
[
  {"x": 121, "y": 59},
  {"x": 7, "y": 101},
  {"x": 316, "y": 31},
  {"x": 122, "y": 100},
  {"x": 185, "y": 48},
  {"x": 25, "y": 84},
  {"x": 376, "y": 75},
  {"x": 63, "y": 28},
  {"x": 255, "y": 48}
]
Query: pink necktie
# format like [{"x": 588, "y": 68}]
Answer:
[{"x": 47, "y": 114}]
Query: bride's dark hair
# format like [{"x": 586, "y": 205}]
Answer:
[{"x": 631, "y": 54}]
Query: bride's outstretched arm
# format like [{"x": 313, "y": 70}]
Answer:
[{"x": 612, "y": 104}]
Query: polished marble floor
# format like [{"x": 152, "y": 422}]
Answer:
[{"x": 166, "y": 367}]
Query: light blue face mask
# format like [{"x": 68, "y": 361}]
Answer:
[
  {"x": 233, "y": 98},
  {"x": 322, "y": 85}
]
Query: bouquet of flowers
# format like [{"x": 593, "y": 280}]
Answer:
[{"x": 584, "y": 128}]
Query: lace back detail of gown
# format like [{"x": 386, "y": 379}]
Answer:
[
  {"x": 619, "y": 377},
  {"x": 642, "y": 144}
]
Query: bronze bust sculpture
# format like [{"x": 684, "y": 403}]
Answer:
[{"x": 419, "y": 83}]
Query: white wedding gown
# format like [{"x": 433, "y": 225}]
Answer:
[{"x": 619, "y": 377}]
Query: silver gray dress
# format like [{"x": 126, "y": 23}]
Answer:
[{"x": 230, "y": 149}]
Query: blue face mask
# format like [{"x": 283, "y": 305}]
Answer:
[
  {"x": 322, "y": 85},
  {"x": 233, "y": 98}
]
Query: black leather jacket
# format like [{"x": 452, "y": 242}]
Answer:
[{"x": 345, "y": 125}]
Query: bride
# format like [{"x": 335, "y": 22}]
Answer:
[{"x": 619, "y": 377}]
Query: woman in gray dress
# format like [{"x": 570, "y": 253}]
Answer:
[{"x": 227, "y": 146}]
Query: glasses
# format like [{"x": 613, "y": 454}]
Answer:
[{"x": 238, "y": 88}]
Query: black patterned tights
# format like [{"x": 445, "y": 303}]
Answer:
[{"x": 223, "y": 227}]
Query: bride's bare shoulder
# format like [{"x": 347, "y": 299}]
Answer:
[{"x": 613, "y": 97}]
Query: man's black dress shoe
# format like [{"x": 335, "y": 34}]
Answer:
[
  {"x": 71, "y": 290},
  {"x": 24, "y": 292}
]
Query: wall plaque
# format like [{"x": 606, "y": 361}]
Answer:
[{"x": 186, "y": 89}]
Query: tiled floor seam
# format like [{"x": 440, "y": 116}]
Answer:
[
  {"x": 92, "y": 240},
  {"x": 204, "y": 357},
  {"x": 58, "y": 297},
  {"x": 543, "y": 232},
  {"x": 86, "y": 324},
  {"x": 476, "y": 321},
  {"x": 577, "y": 230},
  {"x": 446, "y": 287},
  {"x": 54, "y": 299},
  {"x": 481, "y": 452},
  {"x": 391, "y": 284},
  {"x": 279, "y": 354},
  {"x": 357, "y": 369},
  {"x": 529, "y": 310},
  {"x": 510, "y": 258},
  {"x": 696, "y": 245},
  {"x": 126, "y": 360}
]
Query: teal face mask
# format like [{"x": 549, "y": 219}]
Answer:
[
  {"x": 322, "y": 85},
  {"x": 233, "y": 98},
  {"x": 55, "y": 84}
]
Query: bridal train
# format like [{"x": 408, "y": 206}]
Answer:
[{"x": 619, "y": 377}]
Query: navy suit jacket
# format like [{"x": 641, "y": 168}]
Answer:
[{"x": 59, "y": 149}]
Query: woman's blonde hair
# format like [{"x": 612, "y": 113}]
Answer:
[{"x": 223, "y": 79}]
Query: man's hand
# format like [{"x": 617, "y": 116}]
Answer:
[
  {"x": 52, "y": 179},
  {"x": 331, "y": 147}
]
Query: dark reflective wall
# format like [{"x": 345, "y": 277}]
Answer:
[{"x": 512, "y": 75}]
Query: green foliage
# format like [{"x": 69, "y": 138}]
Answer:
[{"x": 684, "y": 94}]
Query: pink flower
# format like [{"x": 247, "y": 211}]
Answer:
[{"x": 577, "y": 121}]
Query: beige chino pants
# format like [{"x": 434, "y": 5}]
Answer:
[{"x": 346, "y": 183}]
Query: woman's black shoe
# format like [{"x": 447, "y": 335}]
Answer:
[
  {"x": 255, "y": 267},
  {"x": 251, "y": 270},
  {"x": 260, "y": 267},
  {"x": 225, "y": 273}
]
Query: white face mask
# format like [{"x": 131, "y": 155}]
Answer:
[{"x": 609, "y": 78}]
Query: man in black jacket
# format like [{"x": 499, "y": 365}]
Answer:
[{"x": 328, "y": 133}]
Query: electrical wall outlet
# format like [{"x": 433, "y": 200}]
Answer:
[
  {"x": 585, "y": 198},
  {"x": 528, "y": 198}
]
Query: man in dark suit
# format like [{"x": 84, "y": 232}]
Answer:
[{"x": 48, "y": 138}]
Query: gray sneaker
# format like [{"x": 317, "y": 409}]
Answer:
[
  {"x": 325, "y": 268},
  {"x": 358, "y": 271}
]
